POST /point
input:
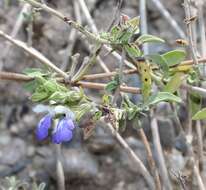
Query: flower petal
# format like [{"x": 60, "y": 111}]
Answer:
[
  {"x": 43, "y": 127},
  {"x": 65, "y": 122},
  {"x": 63, "y": 131},
  {"x": 62, "y": 135}
]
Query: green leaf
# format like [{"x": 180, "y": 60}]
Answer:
[
  {"x": 174, "y": 57},
  {"x": 132, "y": 50},
  {"x": 111, "y": 86},
  {"x": 195, "y": 103},
  {"x": 57, "y": 96},
  {"x": 39, "y": 96},
  {"x": 193, "y": 77},
  {"x": 115, "y": 33},
  {"x": 30, "y": 86},
  {"x": 146, "y": 38},
  {"x": 125, "y": 36},
  {"x": 74, "y": 96},
  {"x": 106, "y": 99},
  {"x": 159, "y": 60},
  {"x": 200, "y": 115},
  {"x": 33, "y": 72},
  {"x": 136, "y": 123},
  {"x": 174, "y": 83},
  {"x": 163, "y": 97},
  {"x": 50, "y": 86},
  {"x": 134, "y": 22}
]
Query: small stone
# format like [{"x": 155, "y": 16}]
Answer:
[
  {"x": 102, "y": 142},
  {"x": 77, "y": 163},
  {"x": 13, "y": 152},
  {"x": 31, "y": 151}
]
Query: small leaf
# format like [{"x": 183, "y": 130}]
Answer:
[
  {"x": 193, "y": 77},
  {"x": 132, "y": 50},
  {"x": 136, "y": 123},
  {"x": 134, "y": 22},
  {"x": 159, "y": 60},
  {"x": 115, "y": 32},
  {"x": 111, "y": 86},
  {"x": 39, "y": 96},
  {"x": 106, "y": 99},
  {"x": 73, "y": 96},
  {"x": 174, "y": 83},
  {"x": 195, "y": 103},
  {"x": 200, "y": 115},
  {"x": 174, "y": 57},
  {"x": 163, "y": 97},
  {"x": 125, "y": 36},
  {"x": 33, "y": 72},
  {"x": 30, "y": 86},
  {"x": 50, "y": 86},
  {"x": 146, "y": 38},
  {"x": 57, "y": 96}
]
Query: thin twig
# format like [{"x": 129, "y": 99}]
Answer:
[
  {"x": 98, "y": 86},
  {"x": 195, "y": 167},
  {"x": 67, "y": 20},
  {"x": 141, "y": 168},
  {"x": 143, "y": 23},
  {"x": 88, "y": 16},
  {"x": 59, "y": 169},
  {"x": 158, "y": 148},
  {"x": 151, "y": 161},
  {"x": 93, "y": 28},
  {"x": 198, "y": 90},
  {"x": 201, "y": 21},
  {"x": 116, "y": 14},
  {"x": 169, "y": 18},
  {"x": 33, "y": 52},
  {"x": 190, "y": 31},
  {"x": 72, "y": 38},
  {"x": 200, "y": 144}
]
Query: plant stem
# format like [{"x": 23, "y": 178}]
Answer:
[
  {"x": 151, "y": 161},
  {"x": 142, "y": 169},
  {"x": 67, "y": 20}
]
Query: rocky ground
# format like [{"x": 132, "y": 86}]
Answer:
[{"x": 99, "y": 162}]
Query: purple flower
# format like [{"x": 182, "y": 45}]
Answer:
[
  {"x": 63, "y": 131},
  {"x": 43, "y": 127}
]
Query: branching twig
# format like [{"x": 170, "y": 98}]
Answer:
[
  {"x": 93, "y": 28},
  {"x": 98, "y": 86},
  {"x": 67, "y": 20}
]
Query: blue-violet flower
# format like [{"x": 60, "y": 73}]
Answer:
[
  {"x": 43, "y": 127},
  {"x": 63, "y": 132}
]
